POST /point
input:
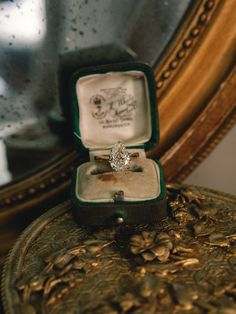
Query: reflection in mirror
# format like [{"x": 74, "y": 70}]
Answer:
[{"x": 42, "y": 42}]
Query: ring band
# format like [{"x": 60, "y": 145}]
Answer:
[{"x": 106, "y": 157}]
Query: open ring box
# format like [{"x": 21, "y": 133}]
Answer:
[{"x": 116, "y": 103}]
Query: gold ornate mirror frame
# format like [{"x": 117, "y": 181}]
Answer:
[{"x": 196, "y": 80}]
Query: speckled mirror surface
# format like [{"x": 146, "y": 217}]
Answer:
[{"x": 42, "y": 42}]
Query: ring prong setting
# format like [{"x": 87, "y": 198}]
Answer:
[{"x": 119, "y": 157}]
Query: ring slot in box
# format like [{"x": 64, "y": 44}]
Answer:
[{"x": 116, "y": 104}]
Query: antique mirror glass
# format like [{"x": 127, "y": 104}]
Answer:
[{"x": 42, "y": 42}]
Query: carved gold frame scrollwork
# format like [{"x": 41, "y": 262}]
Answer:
[{"x": 196, "y": 80}]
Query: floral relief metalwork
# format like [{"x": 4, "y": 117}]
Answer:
[{"x": 185, "y": 264}]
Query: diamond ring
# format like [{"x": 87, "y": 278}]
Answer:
[{"x": 119, "y": 157}]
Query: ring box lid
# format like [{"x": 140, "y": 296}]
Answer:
[{"x": 115, "y": 103}]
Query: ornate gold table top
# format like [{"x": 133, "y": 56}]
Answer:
[{"x": 185, "y": 264}]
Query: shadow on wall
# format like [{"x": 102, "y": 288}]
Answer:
[{"x": 218, "y": 170}]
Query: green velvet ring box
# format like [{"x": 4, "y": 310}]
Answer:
[{"x": 116, "y": 103}]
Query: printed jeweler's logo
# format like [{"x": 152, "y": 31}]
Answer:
[
  {"x": 116, "y": 105},
  {"x": 100, "y": 111}
]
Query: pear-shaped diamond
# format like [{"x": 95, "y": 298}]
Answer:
[{"x": 119, "y": 157}]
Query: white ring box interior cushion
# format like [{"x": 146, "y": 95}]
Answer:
[
  {"x": 97, "y": 183},
  {"x": 115, "y": 107}
]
